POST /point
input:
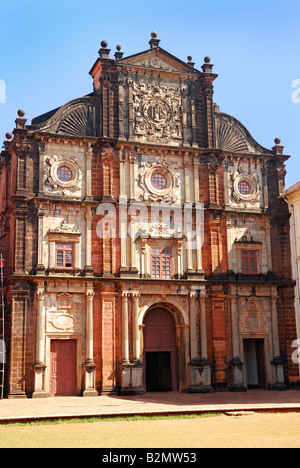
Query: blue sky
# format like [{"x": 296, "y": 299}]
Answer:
[{"x": 47, "y": 49}]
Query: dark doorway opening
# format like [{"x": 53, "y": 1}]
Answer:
[
  {"x": 254, "y": 353},
  {"x": 158, "y": 371}
]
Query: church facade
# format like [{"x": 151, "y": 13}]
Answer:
[{"x": 146, "y": 246}]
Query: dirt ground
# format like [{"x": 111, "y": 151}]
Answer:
[{"x": 251, "y": 430}]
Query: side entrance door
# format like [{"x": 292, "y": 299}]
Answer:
[{"x": 63, "y": 367}]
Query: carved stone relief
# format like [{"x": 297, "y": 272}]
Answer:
[
  {"x": 52, "y": 181},
  {"x": 65, "y": 313},
  {"x": 252, "y": 181},
  {"x": 254, "y": 315},
  {"x": 157, "y": 113}
]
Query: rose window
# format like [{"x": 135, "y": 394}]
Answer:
[
  {"x": 64, "y": 174},
  {"x": 244, "y": 187},
  {"x": 158, "y": 181}
]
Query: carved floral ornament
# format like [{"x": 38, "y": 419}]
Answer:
[
  {"x": 157, "y": 113},
  {"x": 242, "y": 178},
  {"x": 166, "y": 191},
  {"x": 71, "y": 165}
]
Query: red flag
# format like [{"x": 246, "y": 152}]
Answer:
[{"x": 1, "y": 263}]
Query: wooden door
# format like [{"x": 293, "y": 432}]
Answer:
[
  {"x": 63, "y": 368},
  {"x": 160, "y": 352}
]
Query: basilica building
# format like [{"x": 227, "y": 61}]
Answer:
[{"x": 146, "y": 246}]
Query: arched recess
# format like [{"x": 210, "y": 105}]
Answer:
[{"x": 164, "y": 347}]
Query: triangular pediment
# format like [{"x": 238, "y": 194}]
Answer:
[{"x": 158, "y": 59}]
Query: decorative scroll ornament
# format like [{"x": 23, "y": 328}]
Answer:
[{"x": 157, "y": 113}]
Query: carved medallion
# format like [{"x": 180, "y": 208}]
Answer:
[{"x": 157, "y": 113}]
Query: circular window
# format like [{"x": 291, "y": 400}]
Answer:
[
  {"x": 244, "y": 187},
  {"x": 158, "y": 181},
  {"x": 64, "y": 174}
]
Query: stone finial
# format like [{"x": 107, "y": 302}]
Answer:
[
  {"x": 20, "y": 121},
  {"x": 7, "y": 142},
  {"x": 278, "y": 148},
  {"x": 154, "y": 42},
  {"x": 104, "y": 51},
  {"x": 190, "y": 58},
  {"x": 118, "y": 54},
  {"x": 207, "y": 66}
]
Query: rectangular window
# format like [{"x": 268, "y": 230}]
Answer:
[
  {"x": 64, "y": 256},
  {"x": 249, "y": 262},
  {"x": 161, "y": 263}
]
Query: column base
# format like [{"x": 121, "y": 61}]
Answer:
[
  {"x": 132, "y": 379},
  {"x": 238, "y": 389},
  {"x": 279, "y": 387},
  {"x": 90, "y": 392},
  {"x": 129, "y": 273},
  {"x": 17, "y": 394},
  {"x": 40, "y": 395}
]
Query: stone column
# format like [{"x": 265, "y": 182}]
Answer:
[
  {"x": 90, "y": 367},
  {"x": 39, "y": 366},
  {"x": 132, "y": 373},
  {"x": 277, "y": 361},
  {"x": 193, "y": 327},
  {"x": 125, "y": 328},
  {"x": 136, "y": 332},
  {"x": 196, "y": 180},
  {"x": 203, "y": 328},
  {"x": 199, "y": 367},
  {"x": 236, "y": 364},
  {"x": 40, "y": 268},
  {"x": 88, "y": 243},
  {"x": 88, "y": 159}
]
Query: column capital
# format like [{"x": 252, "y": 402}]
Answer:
[
  {"x": 90, "y": 294},
  {"x": 40, "y": 294},
  {"x": 135, "y": 296}
]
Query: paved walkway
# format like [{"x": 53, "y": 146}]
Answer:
[{"x": 149, "y": 404}]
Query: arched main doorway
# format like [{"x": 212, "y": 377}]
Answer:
[{"x": 160, "y": 352}]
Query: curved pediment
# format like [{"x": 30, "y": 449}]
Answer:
[
  {"x": 232, "y": 136},
  {"x": 79, "y": 117}
]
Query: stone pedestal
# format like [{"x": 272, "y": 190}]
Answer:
[
  {"x": 132, "y": 379},
  {"x": 39, "y": 381},
  {"x": 90, "y": 380},
  {"x": 236, "y": 366},
  {"x": 199, "y": 377},
  {"x": 279, "y": 373}
]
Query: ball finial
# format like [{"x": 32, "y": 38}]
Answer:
[
  {"x": 154, "y": 34},
  {"x": 21, "y": 113},
  {"x": 207, "y": 59},
  {"x": 8, "y": 135},
  {"x": 277, "y": 141},
  {"x": 104, "y": 44}
]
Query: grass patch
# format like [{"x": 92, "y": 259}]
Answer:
[{"x": 41, "y": 422}]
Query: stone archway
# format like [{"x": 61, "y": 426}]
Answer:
[{"x": 160, "y": 351}]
